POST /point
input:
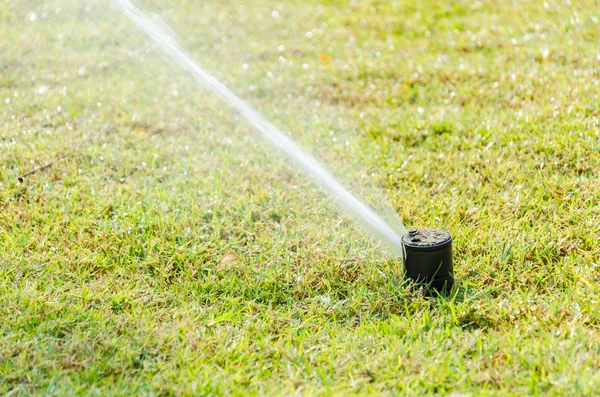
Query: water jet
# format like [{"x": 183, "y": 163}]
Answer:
[{"x": 363, "y": 214}]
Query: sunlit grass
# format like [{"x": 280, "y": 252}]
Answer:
[{"x": 172, "y": 253}]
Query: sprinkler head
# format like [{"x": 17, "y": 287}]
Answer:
[{"x": 428, "y": 259}]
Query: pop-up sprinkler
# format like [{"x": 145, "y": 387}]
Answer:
[{"x": 428, "y": 259}]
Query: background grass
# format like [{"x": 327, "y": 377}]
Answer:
[{"x": 170, "y": 252}]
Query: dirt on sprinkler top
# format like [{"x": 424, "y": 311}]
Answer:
[{"x": 426, "y": 237}]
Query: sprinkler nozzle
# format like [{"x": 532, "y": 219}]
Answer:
[{"x": 428, "y": 259}]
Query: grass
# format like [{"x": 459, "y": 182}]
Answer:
[{"x": 171, "y": 253}]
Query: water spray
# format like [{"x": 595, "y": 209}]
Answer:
[{"x": 426, "y": 258}]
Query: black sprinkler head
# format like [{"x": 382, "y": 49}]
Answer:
[{"x": 428, "y": 259}]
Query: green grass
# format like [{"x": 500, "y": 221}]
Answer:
[{"x": 116, "y": 269}]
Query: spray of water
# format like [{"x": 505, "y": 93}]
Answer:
[{"x": 355, "y": 208}]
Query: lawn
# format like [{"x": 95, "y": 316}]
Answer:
[{"x": 165, "y": 249}]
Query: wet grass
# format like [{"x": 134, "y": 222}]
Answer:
[{"x": 170, "y": 253}]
